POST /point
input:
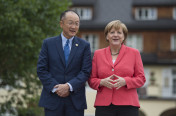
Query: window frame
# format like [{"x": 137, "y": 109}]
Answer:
[
  {"x": 173, "y": 40},
  {"x": 135, "y": 40},
  {"x": 168, "y": 91},
  {"x": 174, "y": 13},
  {"x": 151, "y": 13},
  {"x": 174, "y": 80},
  {"x": 85, "y": 13},
  {"x": 94, "y": 43}
]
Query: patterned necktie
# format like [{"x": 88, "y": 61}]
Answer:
[{"x": 66, "y": 51}]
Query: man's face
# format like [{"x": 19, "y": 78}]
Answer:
[{"x": 70, "y": 24}]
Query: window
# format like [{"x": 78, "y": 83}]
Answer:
[
  {"x": 173, "y": 42},
  {"x": 147, "y": 72},
  {"x": 142, "y": 91},
  {"x": 93, "y": 40},
  {"x": 174, "y": 82},
  {"x": 166, "y": 82},
  {"x": 84, "y": 13},
  {"x": 174, "y": 86},
  {"x": 135, "y": 41},
  {"x": 169, "y": 87},
  {"x": 146, "y": 13},
  {"x": 174, "y": 13}
]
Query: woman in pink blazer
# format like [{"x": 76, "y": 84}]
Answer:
[{"x": 117, "y": 71}]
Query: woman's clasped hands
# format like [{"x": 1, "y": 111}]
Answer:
[{"x": 113, "y": 81}]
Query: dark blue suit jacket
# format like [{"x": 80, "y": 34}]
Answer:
[{"x": 51, "y": 70}]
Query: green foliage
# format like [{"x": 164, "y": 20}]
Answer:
[
  {"x": 23, "y": 26},
  {"x": 32, "y": 108}
]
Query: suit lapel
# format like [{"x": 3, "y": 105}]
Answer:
[
  {"x": 75, "y": 45},
  {"x": 108, "y": 56},
  {"x": 121, "y": 54},
  {"x": 60, "y": 48}
]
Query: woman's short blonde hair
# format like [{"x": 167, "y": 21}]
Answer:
[{"x": 116, "y": 24}]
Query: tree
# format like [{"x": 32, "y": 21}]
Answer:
[{"x": 23, "y": 26}]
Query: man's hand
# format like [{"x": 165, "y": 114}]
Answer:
[{"x": 63, "y": 90}]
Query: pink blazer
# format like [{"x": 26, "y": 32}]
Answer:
[{"x": 127, "y": 65}]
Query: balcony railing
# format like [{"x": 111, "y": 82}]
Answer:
[
  {"x": 167, "y": 55},
  {"x": 160, "y": 57}
]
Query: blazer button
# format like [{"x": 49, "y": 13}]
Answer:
[{"x": 112, "y": 69}]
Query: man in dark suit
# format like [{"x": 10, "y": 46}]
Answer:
[{"x": 64, "y": 65}]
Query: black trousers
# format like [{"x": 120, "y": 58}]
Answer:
[{"x": 113, "y": 110}]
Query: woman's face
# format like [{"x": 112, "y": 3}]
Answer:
[{"x": 115, "y": 37}]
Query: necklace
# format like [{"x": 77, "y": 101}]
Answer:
[{"x": 115, "y": 54}]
